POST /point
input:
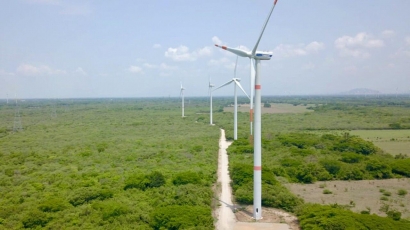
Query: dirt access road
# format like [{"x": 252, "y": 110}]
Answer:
[{"x": 225, "y": 214}]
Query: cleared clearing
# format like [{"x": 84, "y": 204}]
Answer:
[
  {"x": 358, "y": 195},
  {"x": 275, "y": 108}
]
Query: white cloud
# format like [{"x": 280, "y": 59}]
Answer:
[
  {"x": 66, "y": 7},
  {"x": 45, "y": 2},
  {"x": 314, "y": 47},
  {"x": 206, "y": 51},
  {"x": 156, "y": 46},
  {"x": 150, "y": 66},
  {"x": 225, "y": 62},
  {"x": 167, "y": 67},
  {"x": 388, "y": 33},
  {"x": 135, "y": 69},
  {"x": 216, "y": 40},
  {"x": 80, "y": 71},
  {"x": 285, "y": 51},
  {"x": 82, "y": 9},
  {"x": 182, "y": 53},
  {"x": 357, "y": 46},
  {"x": 407, "y": 40},
  {"x": 309, "y": 66},
  {"x": 4, "y": 73},
  {"x": 31, "y": 70}
]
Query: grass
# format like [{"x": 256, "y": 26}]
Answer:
[{"x": 392, "y": 141}]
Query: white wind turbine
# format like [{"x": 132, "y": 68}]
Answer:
[
  {"x": 236, "y": 81},
  {"x": 210, "y": 98},
  {"x": 181, "y": 94},
  {"x": 255, "y": 58}
]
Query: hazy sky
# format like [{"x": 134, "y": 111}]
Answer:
[{"x": 145, "y": 48}]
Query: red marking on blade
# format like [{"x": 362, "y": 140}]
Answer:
[
  {"x": 257, "y": 86},
  {"x": 216, "y": 45},
  {"x": 224, "y": 47},
  {"x": 257, "y": 168},
  {"x": 275, "y": 2}
]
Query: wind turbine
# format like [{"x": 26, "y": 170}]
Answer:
[
  {"x": 182, "y": 96},
  {"x": 210, "y": 97},
  {"x": 255, "y": 58},
  {"x": 236, "y": 81}
]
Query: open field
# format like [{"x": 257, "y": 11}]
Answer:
[
  {"x": 275, "y": 108},
  {"x": 391, "y": 141},
  {"x": 358, "y": 195}
]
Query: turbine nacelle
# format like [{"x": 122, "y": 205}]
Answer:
[{"x": 263, "y": 55}]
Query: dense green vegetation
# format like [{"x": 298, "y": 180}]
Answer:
[
  {"x": 135, "y": 163},
  {"x": 315, "y": 216},
  {"x": 120, "y": 164}
]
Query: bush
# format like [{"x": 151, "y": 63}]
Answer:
[
  {"x": 143, "y": 182},
  {"x": 35, "y": 219},
  {"x": 110, "y": 209},
  {"x": 241, "y": 174},
  {"x": 350, "y": 157},
  {"x": 85, "y": 195},
  {"x": 378, "y": 169},
  {"x": 332, "y": 166},
  {"x": 327, "y": 191},
  {"x": 312, "y": 172},
  {"x": 402, "y": 192},
  {"x": 315, "y": 216},
  {"x": 357, "y": 145},
  {"x": 395, "y": 215},
  {"x": 187, "y": 177},
  {"x": 182, "y": 217},
  {"x": 401, "y": 167},
  {"x": 54, "y": 204}
]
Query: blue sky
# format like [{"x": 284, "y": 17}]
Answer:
[{"x": 145, "y": 48}]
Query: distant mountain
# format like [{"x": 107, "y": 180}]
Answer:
[{"x": 361, "y": 91}]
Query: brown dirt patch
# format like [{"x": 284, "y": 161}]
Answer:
[
  {"x": 270, "y": 215},
  {"x": 358, "y": 195}
]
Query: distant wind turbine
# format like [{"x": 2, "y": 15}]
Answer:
[
  {"x": 210, "y": 99},
  {"x": 182, "y": 96},
  {"x": 255, "y": 58},
  {"x": 236, "y": 81}
]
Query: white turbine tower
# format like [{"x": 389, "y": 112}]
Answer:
[
  {"x": 210, "y": 99},
  {"x": 182, "y": 96},
  {"x": 236, "y": 81},
  {"x": 255, "y": 57}
]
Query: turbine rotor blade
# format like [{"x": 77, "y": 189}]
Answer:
[
  {"x": 238, "y": 52},
  {"x": 263, "y": 29},
  {"x": 240, "y": 86},
  {"x": 229, "y": 82}
]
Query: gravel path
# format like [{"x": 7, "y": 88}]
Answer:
[{"x": 226, "y": 217}]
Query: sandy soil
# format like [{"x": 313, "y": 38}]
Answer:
[
  {"x": 358, "y": 195},
  {"x": 232, "y": 216}
]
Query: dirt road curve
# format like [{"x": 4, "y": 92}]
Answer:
[{"x": 226, "y": 217}]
